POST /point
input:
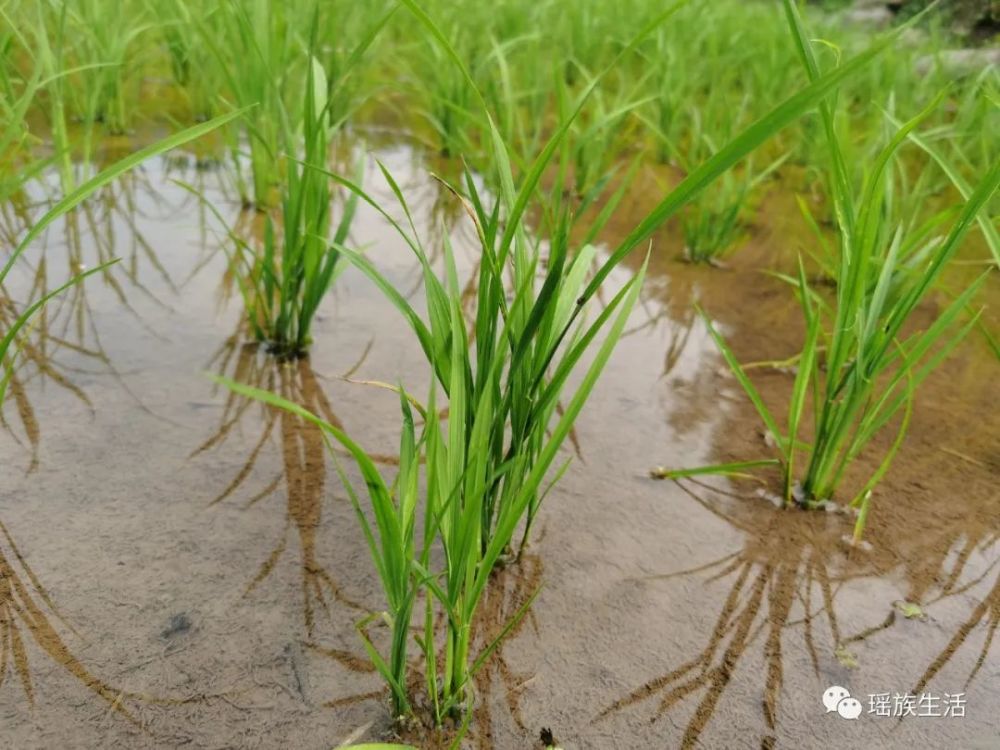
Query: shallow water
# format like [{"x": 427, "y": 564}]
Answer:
[{"x": 180, "y": 567}]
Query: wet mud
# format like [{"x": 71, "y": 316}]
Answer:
[{"x": 180, "y": 567}]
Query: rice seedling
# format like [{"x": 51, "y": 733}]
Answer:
[
  {"x": 85, "y": 72},
  {"x": 862, "y": 370},
  {"x": 715, "y": 221},
  {"x": 951, "y": 170},
  {"x": 712, "y": 224},
  {"x": 691, "y": 115},
  {"x": 523, "y": 328},
  {"x": 394, "y": 553},
  {"x": 512, "y": 243},
  {"x": 283, "y": 283},
  {"x": 710, "y": 72},
  {"x": 472, "y": 504},
  {"x": 546, "y": 104},
  {"x": 253, "y": 47},
  {"x": 247, "y": 53},
  {"x": 291, "y": 278},
  {"x": 192, "y": 65},
  {"x": 258, "y": 46},
  {"x": 663, "y": 115},
  {"x": 14, "y": 135},
  {"x": 303, "y": 470},
  {"x": 595, "y": 134},
  {"x": 449, "y": 104},
  {"x": 49, "y": 62},
  {"x": 916, "y": 191},
  {"x": 346, "y": 52},
  {"x": 520, "y": 104},
  {"x": 480, "y": 484},
  {"x": 591, "y": 35},
  {"x": 106, "y": 48}
]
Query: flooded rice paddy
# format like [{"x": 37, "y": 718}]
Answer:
[{"x": 180, "y": 567}]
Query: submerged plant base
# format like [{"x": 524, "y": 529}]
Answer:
[
  {"x": 413, "y": 733},
  {"x": 807, "y": 501},
  {"x": 286, "y": 352}
]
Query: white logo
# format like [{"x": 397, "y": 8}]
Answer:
[{"x": 837, "y": 698}]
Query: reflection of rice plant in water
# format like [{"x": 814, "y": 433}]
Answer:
[
  {"x": 861, "y": 371},
  {"x": 65, "y": 330},
  {"x": 28, "y": 616},
  {"x": 511, "y": 589},
  {"x": 302, "y": 478},
  {"x": 37, "y": 348},
  {"x": 777, "y": 592},
  {"x": 66, "y": 205},
  {"x": 24, "y": 603},
  {"x": 985, "y": 615},
  {"x": 767, "y": 581}
]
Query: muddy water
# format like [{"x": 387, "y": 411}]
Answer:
[{"x": 182, "y": 568}]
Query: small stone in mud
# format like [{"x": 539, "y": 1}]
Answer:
[
  {"x": 910, "y": 610},
  {"x": 659, "y": 472},
  {"x": 845, "y": 657},
  {"x": 772, "y": 497},
  {"x": 178, "y": 624},
  {"x": 856, "y": 544}
]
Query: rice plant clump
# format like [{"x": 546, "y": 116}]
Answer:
[
  {"x": 284, "y": 274},
  {"x": 291, "y": 276},
  {"x": 471, "y": 483},
  {"x": 861, "y": 363}
]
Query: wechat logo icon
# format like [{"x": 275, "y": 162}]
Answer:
[{"x": 837, "y": 698}]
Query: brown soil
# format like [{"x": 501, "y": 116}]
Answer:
[{"x": 182, "y": 568}]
